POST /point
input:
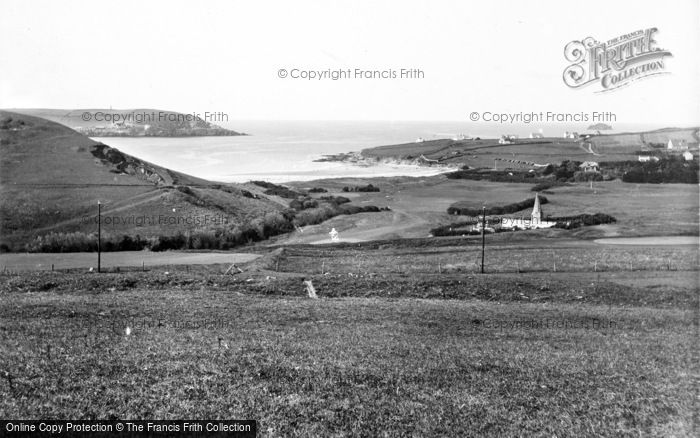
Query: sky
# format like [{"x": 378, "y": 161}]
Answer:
[{"x": 226, "y": 56}]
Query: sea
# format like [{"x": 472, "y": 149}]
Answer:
[{"x": 284, "y": 151}]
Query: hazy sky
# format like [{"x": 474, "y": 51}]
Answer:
[{"x": 500, "y": 56}]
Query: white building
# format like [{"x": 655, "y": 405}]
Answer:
[
  {"x": 688, "y": 156},
  {"x": 536, "y": 135},
  {"x": 677, "y": 144},
  {"x": 647, "y": 158},
  {"x": 589, "y": 166}
]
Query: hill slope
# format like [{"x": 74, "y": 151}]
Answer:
[
  {"x": 645, "y": 141},
  {"x": 52, "y": 177},
  {"x": 484, "y": 152},
  {"x": 102, "y": 122}
]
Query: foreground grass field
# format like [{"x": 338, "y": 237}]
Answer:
[{"x": 212, "y": 346}]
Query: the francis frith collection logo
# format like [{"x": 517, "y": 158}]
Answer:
[{"x": 614, "y": 63}]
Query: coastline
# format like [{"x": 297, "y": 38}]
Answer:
[{"x": 358, "y": 159}]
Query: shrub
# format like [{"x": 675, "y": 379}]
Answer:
[
  {"x": 282, "y": 192},
  {"x": 367, "y": 188},
  {"x": 570, "y": 222},
  {"x": 337, "y": 200},
  {"x": 186, "y": 190},
  {"x": 667, "y": 170},
  {"x": 496, "y": 210},
  {"x": 63, "y": 242},
  {"x": 587, "y": 176},
  {"x": 354, "y": 209},
  {"x": 303, "y": 203},
  {"x": 546, "y": 185},
  {"x": 566, "y": 170},
  {"x": 277, "y": 190}
]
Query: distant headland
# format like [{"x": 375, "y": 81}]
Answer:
[{"x": 107, "y": 122}]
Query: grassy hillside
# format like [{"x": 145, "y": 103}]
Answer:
[
  {"x": 136, "y": 122},
  {"x": 51, "y": 178},
  {"x": 644, "y": 141},
  {"x": 484, "y": 152}
]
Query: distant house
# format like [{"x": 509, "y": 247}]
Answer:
[
  {"x": 536, "y": 135},
  {"x": 419, "y": 140},
  {"x": 677, "y": 145},
  {"x": 507, "y": 139},
  {"x": 589, "y": 166},
  {"x": 688, "y": 156},
  {"x": 573, "y": 135},
  {"x": 647, "y": 158}
]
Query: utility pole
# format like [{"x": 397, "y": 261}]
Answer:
[
  {"x": 483, "y": 237},
  {"x": 99, "y": 235}
]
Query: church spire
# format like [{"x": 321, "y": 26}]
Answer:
[{"x": 536, "y": 210}]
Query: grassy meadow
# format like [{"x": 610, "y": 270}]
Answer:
[
  {"x": 382, "y": 353},
  {"x": 351, "y": 366}
]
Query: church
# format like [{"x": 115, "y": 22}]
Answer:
[{"x": 535, "y": 221}]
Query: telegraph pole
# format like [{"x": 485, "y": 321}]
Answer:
[
  {"x": 99, "y": 235},
  {"x": 483, "y": 237}
]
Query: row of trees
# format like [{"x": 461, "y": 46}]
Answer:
[
  {"x": 667, "y": 170},
  {"x": 671, "y": 169},
  {"x": 222, "y": 237},
  {"x": 216, "y": 238}
]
